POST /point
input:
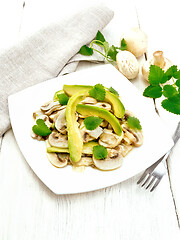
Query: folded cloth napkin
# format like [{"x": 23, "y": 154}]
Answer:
[{"x": 46, "y": 53}]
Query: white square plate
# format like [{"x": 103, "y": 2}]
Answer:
[{"x": 65, "y": 180}]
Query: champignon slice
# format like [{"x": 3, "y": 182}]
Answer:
[
  {"x": 104, "y": 105},
  {"x": 46, "y": 120},
  {"x": 57, "y": 139},
  {"x": 60, "y": 122},
  {"x": 35, "y": 136},
  {"x": 59, "y": 160},
  {"x": 109, "y": 139},
  {"x": 51, "y": 107},
  {"x": 132, "y": 136},
  {"x": 104, "y": 124},
  {"x": 124, "y": 149},
  {"x": 95, "y": 133},
  {"x": 89, "y": 100},
  {"x": 112, "y": 161},
  {"x": 37, "y": 114},
  {"x": 89, "y": 135},
  {"x": 85, "y": 161}
]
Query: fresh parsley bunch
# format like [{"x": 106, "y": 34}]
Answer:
[
  {"x": 157, "y": 79},
  {"x": 109, "y": 53}
]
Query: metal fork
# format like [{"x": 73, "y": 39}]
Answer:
[{"x": 153, "y": 175}]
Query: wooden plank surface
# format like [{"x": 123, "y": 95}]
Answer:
[
  {"x": 28, "y": 210},
  {"x": 161, "y": 30}
]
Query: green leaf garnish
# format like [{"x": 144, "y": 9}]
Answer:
[
  {"x": 92, "y": 123},
  {"x": 109, "y": 53},
  {"x": 98, "y": 92},
  {"x": 171, "y": 72},
  {"x": 153, "y": 91},
  {"x": 178, "y": 83},
  {"x": 112, "y": 90},
  {"x": 169, "y": 91},
  {"x": 85, "y": 50},
  {"x": 112, "y": 52},
  {"x": 41, "y": 128},
  {"x": 123, "y": 45},
  {"x": 63, "y": 98},
  {"x": 100, "y": 152},
  {"x": 156, "y": 75},
  {"x": 172, "y": 104},
  {"x": 100, "y": 37},
  {"x": 134, "y": 122}
]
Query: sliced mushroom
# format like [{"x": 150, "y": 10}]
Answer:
[
  {"x": 95, "y": 133},
  {"x": 60, "y": 122},
  {"x": 132, "y": 136},
  {"x": 124, "y": 149},
  {"x": 51, "y": 107},
  {"x": 89, "y": 135},
  {"x": 104, "y": 124},
  {"x": 112, "y": 161},
  {"x": 35, "y": 136},
  {"x": 59, "y": 160},
  {"x": 104, "y": 105},
  {"x": 89, "y": 100},
  {"x": 37, "y": 114},
  {"x": 46, "y": 120},
  {"x": 109, "y": 139},
  {"x": 57, "y": 139},
  {"x": 85, "y": 161}
]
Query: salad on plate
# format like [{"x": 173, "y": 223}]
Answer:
[{"x": 87, "y": 126}]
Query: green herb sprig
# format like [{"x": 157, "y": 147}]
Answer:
[
  {"x": 41, "y": 128},
  {"x": 109, "y": 53},
  {"x": 92, "y": 122},
  {"x": 157, "y": 79},
  {"x": 100, "y": 152}
]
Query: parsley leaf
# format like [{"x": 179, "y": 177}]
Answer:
[
  {"x": 134, "y": 122},
  {"x": 177, "y": 75},
  {"x": 172, "y": 104},
  {"x": 98, "y": 92},
  {"x": 123, "y": 45},
  {"x": 169, "y": 91},
  {"x": 153, "y": 91},
  {"x": 171, "y": 72},
  {"x": 92, "y": 123},
  {"x": 41, "y": 128},
  {"x": 112, "y": 90},
  {"x": 100, "y": 37},
  {"x": 85, "y": 50},
  {"x": 100, "y": 152},
  {"x": 63, "y": 98},
  {"x": 178, "y": 83},
  {"x": 156, "y": 75},
  {"x": 112, "y": 52}
]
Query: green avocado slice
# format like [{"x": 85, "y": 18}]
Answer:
[
  {"x": 88, "y": 110},
  {"x": 111, "y": 98},
  {"x": 75, "y": 141},
  {"x": 87, "y": 148}
]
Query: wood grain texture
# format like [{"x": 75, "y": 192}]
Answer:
[
  {"x": 28, "y": 210},
  {"x": 124, "y": 211},
  {"x": 161, "y": 30}
]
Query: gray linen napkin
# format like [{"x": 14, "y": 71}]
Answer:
[{"x": 44, "y": 55}]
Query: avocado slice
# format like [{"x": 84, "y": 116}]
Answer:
[
  {"x": 88, "y": 110},
  {"x": 87, "y": 148},
  {"x": 75, "y": 141},
  {"x": 111, "y": 98}
]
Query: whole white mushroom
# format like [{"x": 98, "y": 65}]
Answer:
[
  {"x": 157, "y": 59},
  {"x": 136, "y": 41},
  {"x": 127, "y": 64}
]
